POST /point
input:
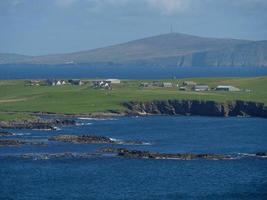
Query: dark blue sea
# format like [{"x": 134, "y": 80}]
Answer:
[
  {"x": 117, "y": 178},
  {"x": 123, "y": 72}
]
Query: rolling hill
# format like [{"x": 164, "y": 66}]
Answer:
[{"x": 172, "y": 49}]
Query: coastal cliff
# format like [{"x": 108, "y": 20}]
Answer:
[{"x": 195, "y": 107}]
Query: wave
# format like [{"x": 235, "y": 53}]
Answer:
[
  {"x": 21, "y": 134},
  {"x": 123, "y": 142},
  {"x": 83, "y": 124},
  {"x": 95, "y": 119}
]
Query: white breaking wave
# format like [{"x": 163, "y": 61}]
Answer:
[
  {"x": 95, "y": 119},
  {"x": 21, "y": 134},
  {"x": 82, "y": 124}
]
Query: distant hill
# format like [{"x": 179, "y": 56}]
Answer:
[
  {"x": 172, "y": 49},
  {"x": 12, "y": 58}
]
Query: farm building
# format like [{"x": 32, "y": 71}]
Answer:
[
  {"x": 167, "y": 85},
  {"x": 54, "y": 82},
  {"x": 200, "y": 88},
  {"x": 60, "y": 82},
  {"x": 189, "y": 83},
  {"x": 182, "y": 88},
  {"x": 34, "y": 83},
  {"x": 227, "y": 88},
  {"x": 113, "y": 81},
  {"x": 75, "y": 82},
  {"x": 102, "y": 84}
]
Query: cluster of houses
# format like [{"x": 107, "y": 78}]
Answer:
[
  {"x": 189, "y": 86},
  {"x": 54, "y": 82},
  {"x": 156, "y": 84},
  {"x": 105, "y": 84},
  {"x": 97, "y": 84},
  {"x": 108, "y": 83},
  {"x": 193, "y": 86}
]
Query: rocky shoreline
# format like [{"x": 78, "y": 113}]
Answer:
[
  {"x": 195, "y": 107},
  {"x": 157, "y": 107}
]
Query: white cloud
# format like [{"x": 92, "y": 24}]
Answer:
[{"x": 168, "y": 7}]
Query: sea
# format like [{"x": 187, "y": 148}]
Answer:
[
  {"x": 27, "y": 175},
  {"x": 123, "y": 72}
]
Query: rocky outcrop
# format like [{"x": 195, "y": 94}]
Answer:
[
  {"x": 196, "y": 107},
  {"x": 11, "y": 142},
  {"x": 261, "y": 154},
  {"x": 81, "y": 139},
  {"x": 36, "y": 124},
  {"x": 5, "y": 134},
  {"x": 91, "y": 139},
  {"x": 152, "y": 155},
  {"x": 16, "y": 142}
]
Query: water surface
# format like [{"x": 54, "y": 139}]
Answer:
[{"x": 125, "y": 178}]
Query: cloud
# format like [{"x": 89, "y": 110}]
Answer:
[{"x": 169, "y": 7}]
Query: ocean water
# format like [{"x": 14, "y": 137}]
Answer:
[
  {"x": 110, "y": 177},
  {"x": 124, "y": 72}
]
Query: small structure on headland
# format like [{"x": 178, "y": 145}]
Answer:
[{"x": 227, "y": 88}]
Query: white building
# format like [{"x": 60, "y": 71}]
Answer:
[
  {"x": 167, "y": 85},
  {"x": 227, "y": 88},
  {"x": 201, "y": 88},
  {"x": 114, "y": 81}
]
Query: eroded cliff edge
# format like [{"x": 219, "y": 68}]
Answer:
[{"x": 197, "y": 107}]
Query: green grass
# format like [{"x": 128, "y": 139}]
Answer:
[
  {"x": 6, "y": 116},
  {"x": 15, "y": 96}
]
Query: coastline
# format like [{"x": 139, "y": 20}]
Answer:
[{"x": 136, "y": 108}]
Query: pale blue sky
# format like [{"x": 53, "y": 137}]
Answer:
[{"x": 37, "y": 27}]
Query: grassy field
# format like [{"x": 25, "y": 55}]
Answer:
[{"x": 15, "y": 96}]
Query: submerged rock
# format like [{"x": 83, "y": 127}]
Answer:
[{"x": 152, "y": 155}]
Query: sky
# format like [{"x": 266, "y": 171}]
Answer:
[{"x": 39, "y": 27}]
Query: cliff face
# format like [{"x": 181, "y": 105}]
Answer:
[{"x": 195, "y": 107}]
